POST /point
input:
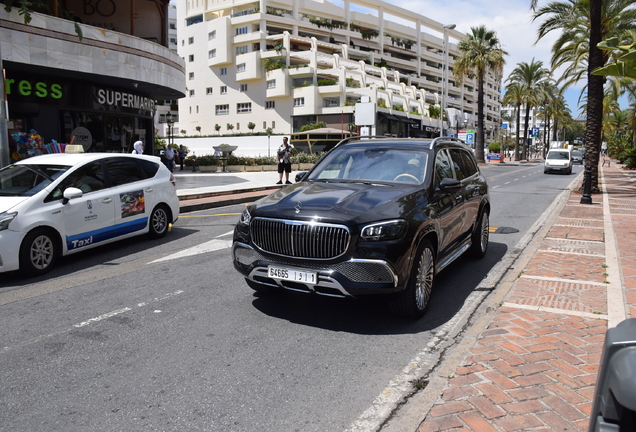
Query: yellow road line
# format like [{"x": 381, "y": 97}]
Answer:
[{"x": 220, "y": 214}]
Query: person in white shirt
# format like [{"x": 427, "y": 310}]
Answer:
[{"x": 170, "y": 158}]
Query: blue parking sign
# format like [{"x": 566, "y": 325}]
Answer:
[{"x": 470, "y": 138}]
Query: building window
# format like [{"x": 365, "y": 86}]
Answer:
[
  {"x": 173, "y": 26},
  {"x": 223, "y": 71},
  {"x": 223, "y": 89},
  {"x": 241, "y": 49},
  {"x": 212, "y": 53},
  {"x": 212, "y": 35},
  {"x": 331, "y": 102},
  {"x": 271, "y": 84},
  {"x": 208, "y": 91},
  {"x": 241, "y": 30},
  {"x": 191, "y": 92},
  {"x": 191, "y": 75},
  {"x": 244, "y": 107},
  {"x": 238, "y": 126},
  {"x": 270, "y": 104},
  {"x": 264, "y": 125},
  {"x": 299, "y": 101},
  {"x": 190, "y": 40},
  {"x": 240, "y": 68},
  {"x": 243, "y": 87},
  {"x": 173, "y": 41},
  {"x": 222, "y": 109},
  {"x": 197, "y": 109},
  {"x": 191, "y": 57},
  {"x": 273, "y": 125}
]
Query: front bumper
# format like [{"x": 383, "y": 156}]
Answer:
[
  {"x": 10, "y": 250},
  {"x": 347, "y": 278}
]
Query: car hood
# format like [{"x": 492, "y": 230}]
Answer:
[
  {"x": 336, "y": 202},
  {"x": 7, "y": 203}
]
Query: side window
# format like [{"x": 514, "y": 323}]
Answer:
[
  {"x": 443, "y": 166},
  {"x": 459, "y": 164},
  {"x": 470, "y": 163},
  {"x": 123, "y": 171},
  {"x": 87, "y": 178},
  {"x": 148, "y": 167}
]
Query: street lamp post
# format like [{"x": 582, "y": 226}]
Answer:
[
  {"x": 170, "y": 122},
  {"x": 444, "y": 76}
]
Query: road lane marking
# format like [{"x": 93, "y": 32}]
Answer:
[{"x": 210, "y": 246}]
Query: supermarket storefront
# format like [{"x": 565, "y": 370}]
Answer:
[{"x": 46, "y": 110}]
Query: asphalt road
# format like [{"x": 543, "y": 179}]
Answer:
[{"x": 164, "y": 335}]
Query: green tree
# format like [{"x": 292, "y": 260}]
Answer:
[
  {"x": 583, "y": 24},
  {"x": 217, "y": 128},
  {"x": 481, "y": 52},
  {"x": 229, "y": 127},
  {"x": 514, "y": 96},
  {"x": 529, "y": 75},
  {"x": 251, "y": 126},
  {"x": 198, "y": 128}
]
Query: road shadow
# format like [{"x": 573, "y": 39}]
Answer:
[
  {"x": 101, "y": 255},
  {"x": 372, "y": 316}
]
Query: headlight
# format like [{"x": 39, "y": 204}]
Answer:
[
  {"x": 5, "y": 220},
  {"x": 389, "y": 230},
  {"x": 245, "y": 218}
]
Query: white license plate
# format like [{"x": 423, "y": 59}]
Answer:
[{"x": 292, "y": 275}]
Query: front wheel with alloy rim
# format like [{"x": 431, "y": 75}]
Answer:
[
  {"x": 159, "y": 221},
  {"x": 480, "y": 236},
  {"x": 38, "y": 252},
  {"x": 413, "y": 301}
]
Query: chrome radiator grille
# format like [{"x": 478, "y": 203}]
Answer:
[{"x": 300, "y": 239}]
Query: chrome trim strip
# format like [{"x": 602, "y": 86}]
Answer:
[{"x": 453, "y": 257}]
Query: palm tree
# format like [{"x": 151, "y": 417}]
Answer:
[
  {"x": 481, "y": 52},
  {"x": 583, "y": 25},
  {"x": 514, "y": 96},
  {"x": 529, "y": 75}
]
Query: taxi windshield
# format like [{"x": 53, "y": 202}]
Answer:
[{"x": 27, "y": 180}]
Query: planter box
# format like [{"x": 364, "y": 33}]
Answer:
[
  {"x": 305, "y": 166},
  {"x": 253, "y": 168},
  {"x": 235, "y": 168},
  {"x": 207, "y": 168},
  {"x": 270, "y": 167}
]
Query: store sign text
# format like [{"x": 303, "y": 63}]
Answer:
[
  {"x": 115, "y": 98},
  {"x": 39, "y": 89}
]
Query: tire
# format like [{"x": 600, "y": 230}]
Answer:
[
  {"x": 260, "y": 288},
  {"x": 570, "y": 171},
  {"x": 159, "y": 222},
  {"x": 414, "y": 300},
  {"x": 38, "y": 252},
  {"x": 480, "y": 236}
]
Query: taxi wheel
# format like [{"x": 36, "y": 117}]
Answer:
[
  {"x": 413, "y": 301},
  {"x": 159, "y": 221},
  {"x": 38, "y": 252}
]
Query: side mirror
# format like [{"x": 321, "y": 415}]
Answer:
[
  {"x": 71, "y": 193},
  {"x": 450, "y": 185},
  {"x": 300, "y": 176}
]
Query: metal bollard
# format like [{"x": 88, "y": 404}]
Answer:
[
  {"x": 614, "y": 407},
  {"x": 587, "y": 186}
]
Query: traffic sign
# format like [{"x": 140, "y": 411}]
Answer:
[{"x": 470, "y": 138}]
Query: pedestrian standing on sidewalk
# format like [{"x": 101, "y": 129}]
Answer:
[
  {"x": 181, "y": 156},
  {"x": 284, "y": 154},
  {"x": 170, "y": 158}
]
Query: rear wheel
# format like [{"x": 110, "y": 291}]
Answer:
[
  {"x": 413, "y": 301},
  {"x": 480, "y": 236},
  {"x": 159, "y": 221},
  {"x": 38, "y": 252}
]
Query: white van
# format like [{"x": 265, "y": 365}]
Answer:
[{"x": 559, "y": 160}]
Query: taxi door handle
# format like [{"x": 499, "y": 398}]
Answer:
[
  {"x": 107, "y": 200},
  {"x": 150, "y": 189}
]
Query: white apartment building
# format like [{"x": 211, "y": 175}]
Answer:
[
  {"x": 255, "y": 65},
  {"x": 509, "y": 128}
]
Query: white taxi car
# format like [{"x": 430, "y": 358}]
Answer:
[{"x": 59, "y": 204}]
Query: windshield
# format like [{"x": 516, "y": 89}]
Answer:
[
  {"x": 27, "y": 180},
  {"x": 577, "y": 153},
  {"x": 362, "y": 164},
  {"x": 565, "y": 155}
]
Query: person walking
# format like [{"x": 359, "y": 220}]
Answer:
[
  {"x": 138, "y": 148},
  {"x": 170, "y": 158},
  {"x": 182, "y": 156},
  {"x": 284, "y": 154}
]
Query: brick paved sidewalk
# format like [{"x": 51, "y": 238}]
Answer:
[{"x": 534, "y": 367}]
